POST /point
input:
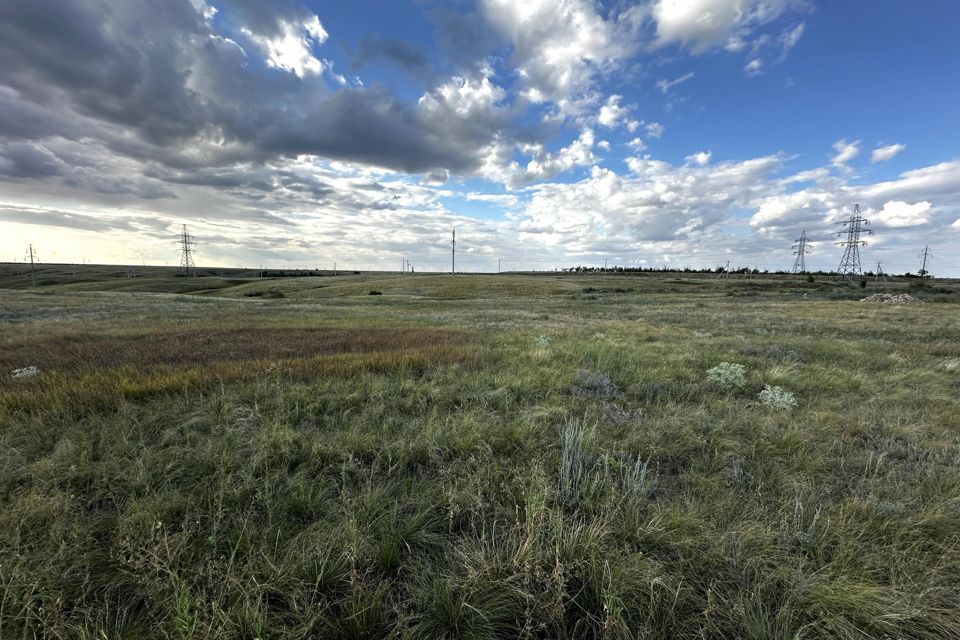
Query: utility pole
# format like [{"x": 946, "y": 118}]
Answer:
[
  {"x": 187, "y": 266},
  {"x": 453, "y": 252},
  {"x": 725, "y": 272},
  {"x": 852, "y": 228},
  {"x": 498, "y": 265},
  {"x": 334, "y": 268},
  {"x": 33, "y": 273},
  {"x": 800, "y": 264},
  {"x": 926, "y": 254}
]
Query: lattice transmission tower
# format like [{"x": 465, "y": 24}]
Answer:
[
  {"x": 32, "y": 255},
  {"x": 187, "y": 267},
  {"x": 852, "y": 228},
  {"x": 926, "y": 255},
  {"x": 800, "y": 249}
]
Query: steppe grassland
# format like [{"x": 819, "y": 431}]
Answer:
[{"x": 536, "y": 457}]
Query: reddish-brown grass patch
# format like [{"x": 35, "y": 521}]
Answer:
[{"x": 81, "y": 351}]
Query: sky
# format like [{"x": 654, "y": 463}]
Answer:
[{"x": 548, "y": 133}]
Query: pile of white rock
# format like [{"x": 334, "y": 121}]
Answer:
[
  {"x": 892, "y": 298},
  {"x": 26, "y": 372}
]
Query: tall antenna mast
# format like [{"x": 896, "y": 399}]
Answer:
[
  {"x": 852, "y": 228},
  {"x": 926, "y": 254},
  {"x": 453, "y": 252},
  {"x": 187, "y": 267},
  {"x": 800, "y": 264}
]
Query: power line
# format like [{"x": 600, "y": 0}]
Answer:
[
  {"x": 187, "y": 266},
  {"x": 853, "y": 227},
  {"x": 926, "y": 253},
  {"x": 879, "y": 274},
  {"x": 33, "y": 274},
  {"x": 800, "y": 264}
]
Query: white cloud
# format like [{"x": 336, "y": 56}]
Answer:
[
  {"x": 701, "y": 158},
  {"x": 657, "y": 202},
  {"x": 665, "y": 85},
  {"x": 702, "y": 24},
  {"x": 462, "y": 98},
  {"x": 882, "y": 154},
  {"x": 611, "y": 114},
  {"x": 753, "y": 67},
  {"x": 578, "y": 153},
  {"x": 846, "y": 151},
  {"x": 789, "y": 39},
  {"x": 292, "y": 50},
  {"x": 654, "y": 129},
  {"x": 558, "y": 45},
  {"x": 637, "y": 144},
  {"x": 896, "y": 213}
]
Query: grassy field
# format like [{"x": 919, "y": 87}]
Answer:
[{"x": 503, "y": 456}]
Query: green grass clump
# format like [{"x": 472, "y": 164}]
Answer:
[{"x": 418, "y": 466}]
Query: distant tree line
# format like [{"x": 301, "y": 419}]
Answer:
[{"x": 722, "y": 269}]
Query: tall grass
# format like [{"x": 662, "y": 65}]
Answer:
[{"x": 483, "y": 488}]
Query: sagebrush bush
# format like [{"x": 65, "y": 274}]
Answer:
[
  {"x": 777, "y": 397},
  {"x": 728, "y": 374}
]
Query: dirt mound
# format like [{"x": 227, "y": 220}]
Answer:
[{"x": 891, "y": 298}]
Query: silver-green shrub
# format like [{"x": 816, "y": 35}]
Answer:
[
  {"x": 777, "y": 397},
  {"x": 728, "y": 374}
]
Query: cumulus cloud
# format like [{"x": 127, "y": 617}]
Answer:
[
  {"x": 702, "y": 24},
  {"x": 884, "y": 153},
  {"x": 701, "y": 158},
  {"x": 654, "y": 129},
  {"x": 896, "y": 213},
  {"x": 545, "y": 165},
  {"x": 655, "y": 202},
  {"x": 557, "y": 46},
  {"x": 237, "y": 120},
  {"x": 612, "y": 113},
  {"x": 292, "y": 49},
  {"x": 845, "y": 151}
]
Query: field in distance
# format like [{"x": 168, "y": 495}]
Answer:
[{"x": 370, "y": 455}]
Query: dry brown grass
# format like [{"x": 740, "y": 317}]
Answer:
[{"x": 82, "y": 351}]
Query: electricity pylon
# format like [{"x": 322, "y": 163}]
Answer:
[
  {"x": 32, "y": 255},
  {"x": 187, "y": 267},
  {"x": 852, "y": 228},
  {"x": 800, "y": 264},
  {"x": 926, "y": 254},
  {"x": 879, "y": 274}
]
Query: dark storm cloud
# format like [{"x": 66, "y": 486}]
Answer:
[
  {"x": 26, "y": 160},
  {"x": 406, "y": 56},
  {"x": 155, "y": 69},
  {"x": 57, "y": 218},
  {"x": 106, "y": 59}
]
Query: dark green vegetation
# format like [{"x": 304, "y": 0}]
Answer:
[{"x": 477, "y": 457}]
